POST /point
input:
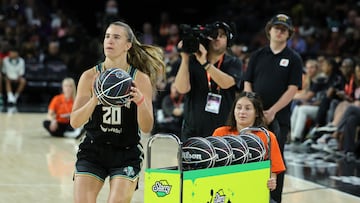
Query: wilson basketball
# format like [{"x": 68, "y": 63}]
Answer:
[
  {"x": 223, "y": 151},
  {"x": 112, "y": 87},
  {"x": 239, "y": 148},
  {"x": 256, "y": 147},
  {"x": 198, "y": 153}
]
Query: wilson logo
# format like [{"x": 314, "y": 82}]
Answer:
[{"x": 189, "y": 156}]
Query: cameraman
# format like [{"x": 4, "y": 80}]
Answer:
[{"x": 209, "y": 78}]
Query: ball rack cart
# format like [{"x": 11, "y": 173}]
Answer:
[{"x": 226, "y": 184}]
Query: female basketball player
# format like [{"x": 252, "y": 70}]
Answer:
[
  {"x": 247, "y": 111},
  {"x": 112, "y": 146}
]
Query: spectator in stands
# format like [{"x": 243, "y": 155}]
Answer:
[
  {"x": 352, "y": 88},
  {"x": 172, "y": 107},
  {"x": 311, "y": 73},
  {"x": 342, "y": 89},
  {"x": 297, "y": 42},
  {"x": 56, "y": 68},
  {"x": 30, "y": 53},
  {"x": 148, "y": 36},
  {"x": 58, "y": 121},
  {"x": 53, "y": 53},
  {"x": 164, "y": 28},
  {"x": 174, "y": 36},
  {"x": 14, "y": 70},
  {"x": 307, "y": 28},
  {"x": 335, "y": 41},
  {"x": 306, "y": 103},
  {"x": 111, "y": 14},
  {"x": 171, "y": 58}
]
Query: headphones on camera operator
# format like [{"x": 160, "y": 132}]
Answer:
[{"x": 228, "y": 31}]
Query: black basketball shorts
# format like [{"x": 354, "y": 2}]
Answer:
[{"x": 103, "y": 160}]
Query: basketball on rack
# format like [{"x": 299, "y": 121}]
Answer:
[
  {"x": 198, "y": 153},
  {"x": 257, "y": 150},
  {"x": 223, "y": 151},
  {"x": 239, "y": 148},
  {"x": 113, "y": 86}
]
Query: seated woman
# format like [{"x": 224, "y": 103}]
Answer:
[
  {"x": 58, "y": 122},
  {"x": 247, "y": 111}
]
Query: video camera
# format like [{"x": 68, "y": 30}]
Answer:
[{"x": 193, "y": 36}]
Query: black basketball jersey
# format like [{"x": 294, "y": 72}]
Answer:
[{"x": 113, "y": 124}]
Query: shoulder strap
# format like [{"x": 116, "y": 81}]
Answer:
[
  {"x": 132, "y": 72},
  {"x": 99, "y": 67}
]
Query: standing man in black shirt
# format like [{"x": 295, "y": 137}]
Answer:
[
  {"x": 209, "y": 78},
  {"x": 275, "y": 73}
]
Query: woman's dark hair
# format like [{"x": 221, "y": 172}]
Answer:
[
  {"x": 256, "y": 101},
  {"x": 335, "y": 65}
]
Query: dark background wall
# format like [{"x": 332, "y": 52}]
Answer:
[{"x": 137, "y": 12}]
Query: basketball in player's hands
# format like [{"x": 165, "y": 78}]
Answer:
[{"x": 113, "y": 86}]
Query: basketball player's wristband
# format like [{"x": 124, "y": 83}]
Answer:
[{"x": 140, "y": 101}]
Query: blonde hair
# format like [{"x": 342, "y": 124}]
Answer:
[
  {"x": 146, "y": 58},
  {"x": 307, "y": 79},
  {"x": 70, "y": 81}
]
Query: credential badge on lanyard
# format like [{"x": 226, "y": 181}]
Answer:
[{"x": 213, "y": 102}]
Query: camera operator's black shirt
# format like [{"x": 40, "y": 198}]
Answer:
[
  {"x": 197, "y": 121},
  {"x": 270, "y": 75}
]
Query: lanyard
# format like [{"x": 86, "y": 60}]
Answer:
[
  {"x": 349, "y": 86},
  {"x": 209, "y": 77}
]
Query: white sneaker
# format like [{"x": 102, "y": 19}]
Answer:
[
  {"x": 76, "y": 133},
  {"x": 11, "y": 99},
  {"x": 327, "y": 128},
  {"x": 333, "y": 143},
  {"x": 319, "y": 147}
]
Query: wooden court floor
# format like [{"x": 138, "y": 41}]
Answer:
[{"x": 38, "y": 168}]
